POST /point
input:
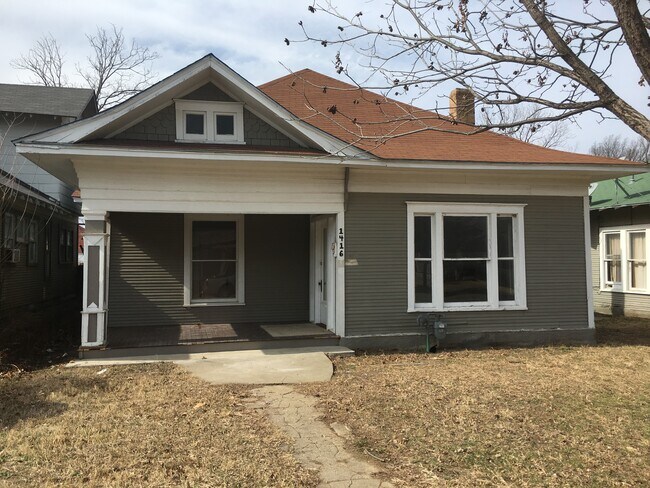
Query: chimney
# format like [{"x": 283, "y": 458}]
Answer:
[{"x": 461, "y": 106}]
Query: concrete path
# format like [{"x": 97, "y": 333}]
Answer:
[
  {"x": 316, "y": 445},
  {"x": 253, "y": 367}
]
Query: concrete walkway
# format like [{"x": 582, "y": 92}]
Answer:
[
  {"x": 316, "y": 445},
  {"x": 253, "y": 367}
]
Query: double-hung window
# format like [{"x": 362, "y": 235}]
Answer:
[
  {"x": 8, "y": 230},
  {"x": 624, "y": 252},
  {"x": 214, "y": 260},
  {"x": 465, "y": 257},
  {"x": 66, "y": 248}
]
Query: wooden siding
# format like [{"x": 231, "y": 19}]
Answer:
[
  {"x": 376, "y": 289},
  {"x": 209, "y": 186},
  {"x": 146, "y": 272},
  {"x": 161, "y": 126},
  {"x": 25, "y": 284},
  {"x": 607, "y": 302}
]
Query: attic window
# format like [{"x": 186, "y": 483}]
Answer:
[{"x": 210, "y": 122}]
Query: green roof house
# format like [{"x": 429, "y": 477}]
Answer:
[{"x": 620, "y": 223}]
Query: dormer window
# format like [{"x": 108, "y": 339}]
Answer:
[{"x": 210, "y": 122}]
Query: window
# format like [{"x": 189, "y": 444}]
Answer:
[
  {"x": 9, "y": 231},
  {"x": 214, "y": 261},
  {"x": 32, "y": 243},
  {"x": 66, "y": 249},
  {"x": 21, "y": 230},
  {"x": 623, "y": 259},
  {"x": 465, "y": 257},
  {"x": 212, "y": 122}
]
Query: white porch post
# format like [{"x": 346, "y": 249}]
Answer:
[
  {"x": 340, "y": 274},
  {"x": 96, "y": 245}
]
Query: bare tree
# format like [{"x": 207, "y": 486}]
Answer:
[
  {"x": 44, "y": 61},
  {"x": 615, "y": 146},
  {"x": 116, "y": 68},
  {"x": 507, "y": 52},
  {"x": 545, "y": 134}
]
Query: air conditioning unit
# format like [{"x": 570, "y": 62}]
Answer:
[{"x": 15, "y": 256}]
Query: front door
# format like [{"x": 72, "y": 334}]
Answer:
[{"x": 324, "y": 243}]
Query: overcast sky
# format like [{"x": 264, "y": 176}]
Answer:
[{"x": 248, "y": 36}]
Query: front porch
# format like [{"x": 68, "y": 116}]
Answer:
[
  {"x": 197, "y": 338},
  {"x": 161, "y": 283}
]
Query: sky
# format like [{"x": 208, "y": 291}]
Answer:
[{"x": 246, "y": 35}]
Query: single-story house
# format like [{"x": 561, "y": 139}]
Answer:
[
  {"x": 218, "y": 210},
  {"x": 38, "y": 218},
  {"x": 620, "y": 223}
]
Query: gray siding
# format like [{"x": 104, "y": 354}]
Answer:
[
  {"x": 146, "y": 272},
  {"x": 376, "y": 289},
  {"x": 13, "y": 126},
  {"x": 162, "y": 125},
  {"x": 607, "y": 302},
  {"x": 23, "y": 284}
]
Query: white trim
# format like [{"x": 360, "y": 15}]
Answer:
[
  {"x": 437, "y": 210},
  {"x": 588, "y": 264},
  {"x": 210, "y": 110},
  {"x": 339, "y": 262},
  {"x": 187, "y": 260},
  {"x": 623, "y": 231}
]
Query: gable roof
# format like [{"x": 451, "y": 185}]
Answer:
[
  {"x": 46, "y": 100},
  {"x": 423, "y": 135},
  {"x": 621, "y": 192},
  {"x": 151, "y": 100}
]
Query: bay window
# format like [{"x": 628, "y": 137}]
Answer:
[
  {"x": 465, "y": 257},
  {"x": 623, "y": 259}
]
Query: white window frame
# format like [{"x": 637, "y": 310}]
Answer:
[
  {"x": 210, "y": 110},
  {"x": 490, "y": 210},
  {"x": 32, "y": 243},
  {"x": 187, "y": 286},
  {"x": 9, "y": 230},
  {"x": 624, "y": 232}
]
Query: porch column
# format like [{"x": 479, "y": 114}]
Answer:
[
  {"x": 93, "y": 314},
  {"x": 339, "y": 309}
]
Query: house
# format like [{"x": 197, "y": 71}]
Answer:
[
  {"x": 38, "y": 219},
  {"x": 620, "y": 222},
  {"x": 218, "y": 211}
]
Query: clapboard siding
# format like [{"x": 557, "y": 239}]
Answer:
[
  {"x": 607, "y": 302},
  {"x": 376, "y": 289},
  {"x": 25, "y": 284},
  {"x": 146, "y": 272},
  {"x": 209, "y": 187}
]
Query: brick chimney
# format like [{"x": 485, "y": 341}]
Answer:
[{"x": 461, "y": 105}]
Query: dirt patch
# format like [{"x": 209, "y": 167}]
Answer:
[
  {"x": 151, "y": 425},
  {"x": 557, "y": 416}
]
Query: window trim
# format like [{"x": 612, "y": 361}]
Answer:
[
  {"x": 187, "y": 255},
  {"x": 623, "y": 232},
  {"x": 32, "y": 260},
  {"x": 210, "y": 111},
  {"x": 437, "y": 210}
]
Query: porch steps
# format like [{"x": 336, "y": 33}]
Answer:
[{"x": 317, "y": 343}]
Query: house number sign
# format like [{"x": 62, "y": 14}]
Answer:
[{"x": 340, "y": 241}]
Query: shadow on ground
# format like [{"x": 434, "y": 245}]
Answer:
[{"x": 622, "y": 331}]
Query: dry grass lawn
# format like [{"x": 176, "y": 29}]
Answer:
[
  {"x": 556, "y": 416},
  {"x": 153, "y": 425}
]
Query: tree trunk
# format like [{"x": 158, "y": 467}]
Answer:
[{"x": 635, "y": 33}]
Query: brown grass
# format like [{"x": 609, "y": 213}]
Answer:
[
  {"x": 557, "y": 416},
  {"x": 152, "y": 425}
]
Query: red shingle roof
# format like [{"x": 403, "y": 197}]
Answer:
[{"x": 346, "y": 111}]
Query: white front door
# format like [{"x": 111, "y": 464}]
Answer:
[{"x": 324, "y": 243}]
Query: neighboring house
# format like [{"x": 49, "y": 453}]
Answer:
[
  {"x": 38, "y": 219},
  {"x": 217, "y": 210},
  {"x": 620, "y": 226}
]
